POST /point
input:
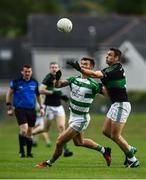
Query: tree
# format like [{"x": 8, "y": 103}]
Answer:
[
  {"x": 87, "y": 7},
  {"x": 13, "y": 14},
  {"x": 126, "y": 7}
]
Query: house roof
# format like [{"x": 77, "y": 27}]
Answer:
[{"x": 110, "y": 31}]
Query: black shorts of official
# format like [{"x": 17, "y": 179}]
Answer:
[{"x": 24, "y": 115}]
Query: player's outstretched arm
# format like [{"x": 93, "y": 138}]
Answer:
[
  {"x": 60, "y": 83},
  {"x": 94, "y": 74},
  {"x": 43, "y": 90}
]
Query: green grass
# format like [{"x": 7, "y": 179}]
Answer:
[{"x": 85, "y": 163}]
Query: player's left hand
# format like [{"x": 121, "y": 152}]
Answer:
[{"x": 75, "y": 65}]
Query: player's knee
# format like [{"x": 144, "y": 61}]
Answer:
[
  {"x": 78, "y": 143},
  {"x": 45, "y": 129},
  {"x": 23, "y": 133},
  {"x": 42, "y": 128},
  {"x": 105, "y": 133}
]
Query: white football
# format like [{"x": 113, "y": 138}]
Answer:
[{"x": 64, "y": 25}]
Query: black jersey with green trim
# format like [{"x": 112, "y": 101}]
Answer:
[
  {"x": 115, "y": 82},
  {"x": 52, "y": 99}
]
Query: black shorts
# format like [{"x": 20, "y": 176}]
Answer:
[{"x": 24, "y": 115}]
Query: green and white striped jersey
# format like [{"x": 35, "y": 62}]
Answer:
[{"x": 82, "y": 94}]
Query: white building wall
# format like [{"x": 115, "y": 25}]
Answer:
[
  {"x": 41, "y": 59},
  {"x": 136, "y": 69}
]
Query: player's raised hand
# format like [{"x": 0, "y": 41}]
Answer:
[
  {"x": 74, "y": 64},
  {"x": 58, "y": 75}
]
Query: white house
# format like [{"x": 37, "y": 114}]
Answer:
[{"x": 135, "y": 67}]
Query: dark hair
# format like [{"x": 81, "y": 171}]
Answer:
[
  {"x": 89, "y": 59},
  {"x": 27, "y": 66},
  {"x": 117, "y": 52}
]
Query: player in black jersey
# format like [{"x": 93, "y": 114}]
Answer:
[
  {"x": 52, "y": 104},
  {"x": 113, "y": 79}
]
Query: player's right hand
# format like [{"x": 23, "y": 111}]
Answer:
[{"x": 75, "y": 65}]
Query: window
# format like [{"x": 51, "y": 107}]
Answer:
[{"x": 5, "y": 54}]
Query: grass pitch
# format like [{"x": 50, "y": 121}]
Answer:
[{"x": 84, "y": 164}]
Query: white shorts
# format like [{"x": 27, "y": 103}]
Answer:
[
  {"x": 40, "y": 122},
  {"x": 79, "y": 122},
  {"x": 51, "y": 112},
  {"x": 119, "y": 111}
]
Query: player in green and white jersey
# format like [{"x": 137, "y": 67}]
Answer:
[
  {"x": 113, "y": 78},
  {"x": 83, "y": 91}
]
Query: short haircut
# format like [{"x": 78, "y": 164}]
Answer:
[
  {"x": 53, "y": 63},
  {"x": 27, "y": 66},
  {"x": 92, "y": 62},
  {"x": 117, "y": 52}
]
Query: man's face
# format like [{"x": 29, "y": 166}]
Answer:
[
  {"x": 26, "y": 73},
  {"x": 54, "y": 68},
  {"x": 86, "y": 64},
  {"x": 111, "y": 58}
]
